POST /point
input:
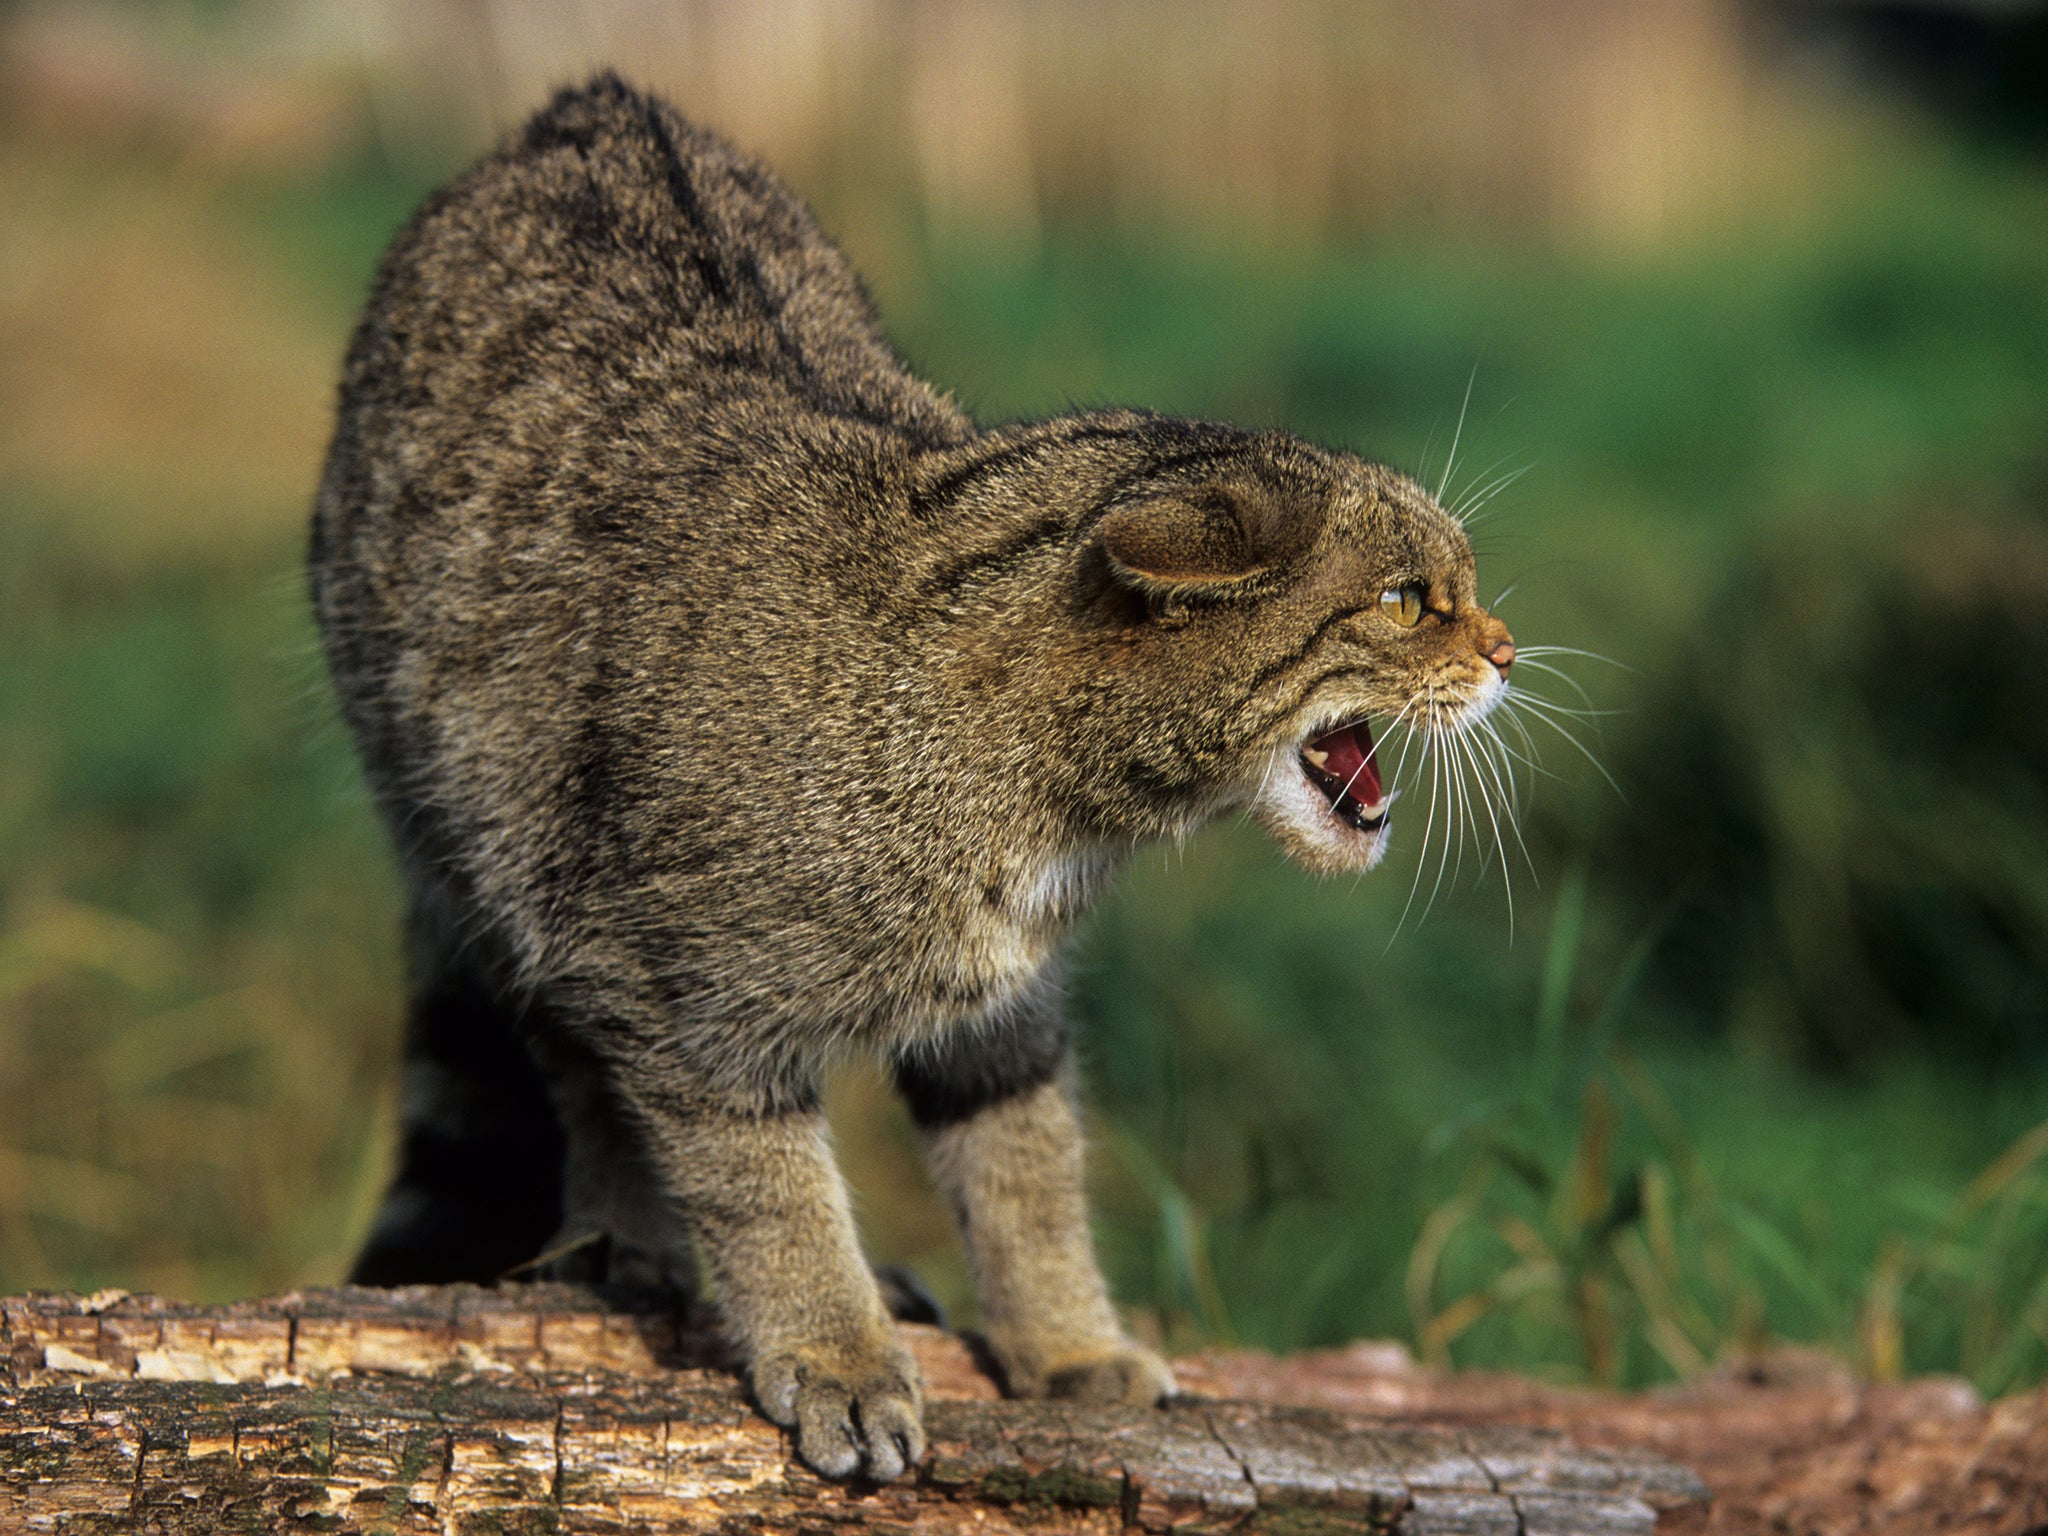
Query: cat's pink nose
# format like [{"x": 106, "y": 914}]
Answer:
[{"x": 1503, "y": 653}]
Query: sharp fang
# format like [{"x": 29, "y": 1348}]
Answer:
[{"x": 1320, "y": 759}]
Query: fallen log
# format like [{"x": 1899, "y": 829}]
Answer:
[
  {"x": 1789, "y": 1441},
  {"x": 559, "y": 1409}
]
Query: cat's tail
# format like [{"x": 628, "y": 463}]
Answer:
[{"x": 478, "y": 1190}]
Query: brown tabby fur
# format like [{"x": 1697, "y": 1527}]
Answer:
[{"x": 734, "y": 701}]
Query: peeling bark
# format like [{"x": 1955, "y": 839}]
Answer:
[{"x": 549, "y": 1408}]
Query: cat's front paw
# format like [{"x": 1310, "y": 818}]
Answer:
[
  {"x": 1121, "y": 1372},
  {"x": 852, "y": 1409}
]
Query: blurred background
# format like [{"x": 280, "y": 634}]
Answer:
[{"x": 1751, "y": 305}]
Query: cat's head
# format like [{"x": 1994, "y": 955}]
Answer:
[{"x": 1295, "y": 601}]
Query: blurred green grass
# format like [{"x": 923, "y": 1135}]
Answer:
[{"x": 1597, "y": 1147}]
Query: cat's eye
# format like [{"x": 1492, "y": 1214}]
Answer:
[{"x": 1403, "y": 605}]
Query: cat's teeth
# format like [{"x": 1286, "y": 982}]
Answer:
[{"x": 1320, "y": 759}]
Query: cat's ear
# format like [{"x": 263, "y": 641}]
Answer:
[{"x": 1203, "y": 540}]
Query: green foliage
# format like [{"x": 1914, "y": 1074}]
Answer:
[
  {"x": 1844, "y": 773},
  {"x": 195, "y": 941},
  {"x": 1516, "y": 1171},
  {"x": 1627, "y": 1252},
  {"x": 1965, "y": 1283}
]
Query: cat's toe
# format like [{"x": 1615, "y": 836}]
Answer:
[
  {"x": 1127, "y": 1373},
  {"x": 849, "y": 1415}
]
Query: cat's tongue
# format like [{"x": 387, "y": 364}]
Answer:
[{"x": 1347, "y": 757}]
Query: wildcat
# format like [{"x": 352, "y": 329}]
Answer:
[{"x": 734, "y": 702}]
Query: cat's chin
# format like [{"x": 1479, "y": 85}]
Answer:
[{"x": 1309, "y": 828}]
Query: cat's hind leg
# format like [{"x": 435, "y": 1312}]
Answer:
[
  {"x": 619, "y": 1226},
  {"x": 478, "y": 1189}
]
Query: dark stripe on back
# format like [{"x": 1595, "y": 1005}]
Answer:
[
  {"x": 950, "y": 578},
  {"x": 700, "y": 256},
  {"x": 1193, "y": 457},
  {"x": 941, "y": 492}
]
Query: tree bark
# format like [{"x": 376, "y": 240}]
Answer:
[{"x": 558, "y": 1409}]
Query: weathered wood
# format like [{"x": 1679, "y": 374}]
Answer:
[
  {"x": 549, "y": 1408},
  {"x": 1789, "y": 1441}
]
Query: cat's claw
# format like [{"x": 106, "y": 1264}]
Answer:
[{"x": 850, "y": 1415}]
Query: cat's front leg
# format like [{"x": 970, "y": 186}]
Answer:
[
  {"x": 774, "y": 1232},
  {"x": 1005, "y": 1146}
]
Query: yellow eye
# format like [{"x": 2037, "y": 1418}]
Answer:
[{"x": 1403, "y": 605}]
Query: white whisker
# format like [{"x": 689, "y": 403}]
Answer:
[
  {"x": 1408, "y": 735},
  {"x": 1443, "y": 857},
  {"x": 1526, "y": 701},
  {"x": 1488, "y": 741},
  {"x": 1562, "y": 676},
  {"x": 1454, "y": 744},
  {"x": 1470, "y": 748},
  {"x": 1500, "y": 758},
  {"x": 1265, "y": 778},
  {"x": 1530, "y": 756},
  {"x": 1571, "y": 650},
  {"x": 1460, "y": 503},
  {"x": 1428, "y": 823},
  {"x": 1469, "y": 512},
  {"x": 1451, "y": 458},
  {"x": 1567, "y": 711}
]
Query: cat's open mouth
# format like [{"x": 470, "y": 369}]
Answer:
[{"x": 1341, "y": 765}]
